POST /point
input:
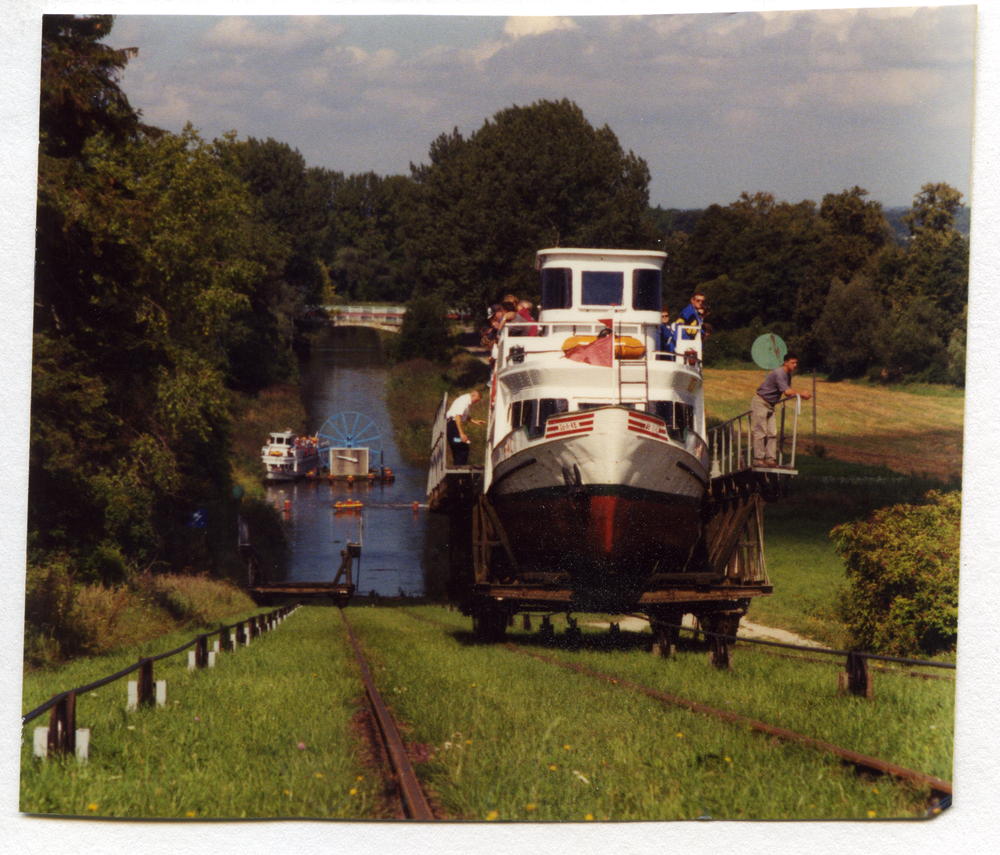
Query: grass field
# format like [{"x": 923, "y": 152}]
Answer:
[
  {"x": 267, "y": 732},
  {"x": 497, "y": 735},
  {"x": 910, "y": 430}
]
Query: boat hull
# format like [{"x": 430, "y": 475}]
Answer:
[{"x": 604, "y": 496}]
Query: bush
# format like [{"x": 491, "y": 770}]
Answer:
[
  {"x": 65, "y": 619},
  {"x": 902, "y": 570}
]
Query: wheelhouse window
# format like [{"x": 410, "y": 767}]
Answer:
[
  {"x": 602, "y": 288},
  {"x": 589, "y": 406},
  {"x": 647, "y": 290},
  {"x": 557, "y": 288}
]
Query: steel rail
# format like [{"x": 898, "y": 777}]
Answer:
[
  {"x": 411, "y": 794},
  {"x": 923, "y": 663},
  {"x": 863, "y": 761}
]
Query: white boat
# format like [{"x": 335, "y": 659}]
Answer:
[
  {"x": 597, "y": 466},
  {"x": 288, "y": 456}
]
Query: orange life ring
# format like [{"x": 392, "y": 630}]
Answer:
[{"x": 626, "y": 347}]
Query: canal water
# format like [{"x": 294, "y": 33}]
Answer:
[{"x": 403, "y": 550}]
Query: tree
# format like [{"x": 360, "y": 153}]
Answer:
[
  {"x": 854, "y": 234},
  {"x": 846, "y": 329},
  {"x": 366, "y": 251},
  {"x": 937, "y": 263},
  {"x": 296, "y": 204},
  {"x": 933, "y": 209},
  {"x": 909, "y": 340},
  {"x": 424, "y": 333},
  {"x": 531, "y": 177},
  {"x": 152, "y": 273},
  {"x": 752, "y": 258},
  {"x": 80, "y": 92}
]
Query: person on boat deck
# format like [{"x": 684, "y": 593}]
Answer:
[
  {"x": 777, "y": 385},
  {"x": 693, "y": 317},
  {"x": 458, "y": 417},
  {"x": 666, "y": 336},
  {"x": 524, "y": 308},
  {"x": 499, "y": 315}
]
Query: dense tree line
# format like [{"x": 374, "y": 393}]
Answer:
[
  {"x": 833, "y": 281},
  {"x": 171, "y": 271}
]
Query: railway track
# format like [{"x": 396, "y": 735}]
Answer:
[
  {"x": 941, "y": 790},
  {"x": 408, "y": 790}
]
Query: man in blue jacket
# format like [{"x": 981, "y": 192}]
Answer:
[{"x": 692, "y": 317}]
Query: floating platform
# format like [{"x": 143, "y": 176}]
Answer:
[
  {"x": 388, "y": 477},
  {"x": 347, "y": 506}
]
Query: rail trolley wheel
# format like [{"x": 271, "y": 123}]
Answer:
[
  {"x": 724, "y": 623},
  {"x": 489, "y": 622}
]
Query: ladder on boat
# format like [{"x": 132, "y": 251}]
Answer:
[{"x": 633, "y": 380}]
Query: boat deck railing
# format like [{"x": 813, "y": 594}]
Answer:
[
  {"x": 517, "y": 341},
  {"x": 731, "y": 443}
]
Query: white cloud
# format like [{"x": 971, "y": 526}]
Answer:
[
  {"x": 520, "y": 27},
  {"x": 692, "y": 94}
]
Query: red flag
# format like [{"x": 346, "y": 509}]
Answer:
[{"x": 594, "y": 353}]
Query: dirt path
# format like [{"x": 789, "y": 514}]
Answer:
[{"x": 747, "y": 630}]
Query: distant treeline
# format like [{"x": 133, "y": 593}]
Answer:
[
  {"x": 171, "y": 272},
  {"x": 671, "y": 220}
]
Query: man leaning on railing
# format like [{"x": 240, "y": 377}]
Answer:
[{"x": 777, "y": 385}]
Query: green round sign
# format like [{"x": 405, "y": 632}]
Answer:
[
  {"x": 768, "y": 351},
  {"x": 238, "y": 492}
]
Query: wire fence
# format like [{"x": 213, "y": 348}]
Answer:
[{"x": 62, "y": 733}]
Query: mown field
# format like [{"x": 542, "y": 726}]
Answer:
[{"x": 907, "y": 429}]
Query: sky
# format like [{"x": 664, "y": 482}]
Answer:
[
  {"x": 798, "y": 104},
  {"x": 794, "y": 104}
]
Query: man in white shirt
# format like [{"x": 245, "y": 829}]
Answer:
[{"x": 458, "y": 417}]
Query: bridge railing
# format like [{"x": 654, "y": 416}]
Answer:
[{"x": 368, "y": 314}]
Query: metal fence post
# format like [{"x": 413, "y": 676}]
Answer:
[
  {"x": 62, "y": 726},
  {"x": 201, "y": 652},
  {"x": 145, "y": 690}
]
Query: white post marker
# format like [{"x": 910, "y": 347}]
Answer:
[
  {"x": 41, "y": 741},
  {"x": 83, "y": 744}
]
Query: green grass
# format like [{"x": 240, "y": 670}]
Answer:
[
  {"x": 495, "y": 734},
  {"x": 511, "y": 738},
  {"x": 226, "y": 745}
]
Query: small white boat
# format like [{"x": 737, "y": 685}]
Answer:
[{"x": 288, "y": 457}]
